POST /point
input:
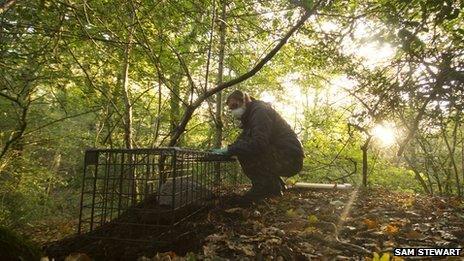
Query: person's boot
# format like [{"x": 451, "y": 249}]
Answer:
[
  {"x": 256, "y": 193},
  {"x": 262, "y": 187},
  {"x": 274, "y": 186},
  {"x": 283, "y": 186}
]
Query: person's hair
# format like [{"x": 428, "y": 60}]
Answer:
[{"x": 239, "y": 96}]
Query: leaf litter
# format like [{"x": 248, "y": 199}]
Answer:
[{"x": 303, "y": 225}]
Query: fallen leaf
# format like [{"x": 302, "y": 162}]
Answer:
[
  {"x": 447, "y": 236},
  {"x": 244, "y": 248},
  {"x": 275, "y": 241},
  {"x": 273, "y": 231},
  {"x": 391, "y": 229},
  {"x": 247, "y": 250},
  {"x": 385, "y": 257},
  {"x": 256, "y": 214},
  {"x": 389, "y": 243},
  {"x": 413, "y": 234},
  {"x": 291, "y": 213},
  {"x": 295, "y": 225},
  {"x": 78, "y": 257},
  {"x": 310, "y": 230},
  {"x": 312, "y": 219},
  {"x": 256, "y": 225},
  {"x": 377, "y": 257},
  {"x": 216, "y": 237},
  {"x": 300, "y": 211},
  {"x": 408, "y": 202},
  {"x": 350, "y": 228},
  {"x": 233, "y": 210},
  {"x": 273, "y": 201},
  {"x": 337, "y": 203},
  {"x": 209, "y": 250},
  {"x": 460, "y": 215},
  {"x": 370, "y": 223}
]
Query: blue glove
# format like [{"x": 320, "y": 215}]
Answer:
[{"x": 222, "y": 151}]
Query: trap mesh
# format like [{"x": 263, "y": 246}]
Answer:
[{"x": 149, "y": 189}]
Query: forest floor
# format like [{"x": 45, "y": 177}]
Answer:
[{"x": 301, "y": 225}]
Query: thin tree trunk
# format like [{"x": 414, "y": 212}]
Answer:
[
  {"x": 126, "y": 94},
  {"x": 128, "y": 107},
  {"x": 174, "y": 114},
  {"x": 222, "y": 43},
  {"x": 429, "y": 179},
  {"x": 434, "y": 93},
  {"x": 432, "y": 164},
  {"x": 451, "y": 151},
  {"x": 17, "y": 135},
  {"x": 414, "y": 168},
  {"x": 158, "y": 118},
  {"x": 457, "y": 121},
  {"x": 462, "y": 155},
  {"x": 364, "y": 149}
]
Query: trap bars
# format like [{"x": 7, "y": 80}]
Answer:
[{"x": 148, "y": 189}]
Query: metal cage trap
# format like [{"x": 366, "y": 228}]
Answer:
[{"x": 129, "y": 192}]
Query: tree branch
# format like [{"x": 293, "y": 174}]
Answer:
[
  {"x": 7, "y": 4},
  {"x": 61, "y": 119},
  {"x": 191, "y": 108}
]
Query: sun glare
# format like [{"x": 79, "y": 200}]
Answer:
[
  {"x": 384, "y": 133},
  {"x": 372, "y": 53},
  {"x": 375, "y": 54},
  {"x": 267, "y": 97}
]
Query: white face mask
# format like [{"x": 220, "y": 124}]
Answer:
[{"x": 237, "y": 113}]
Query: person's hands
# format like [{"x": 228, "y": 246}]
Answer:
[{"x": 222, "y": 151}]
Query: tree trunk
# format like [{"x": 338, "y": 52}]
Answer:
[
  {"x": 429, "y": 179},
  {"x": 134, "y": 191},
  {"x": 222, "y": 43},
  {"x": 451, "y": 151},
  {"x": 414, "y": 168},
  {"x": 462, "y": 156},
  {"x": 174, "y": 114},
  {"x": 14, "y": 142},
  {"x": 364, "y": 149},
  {"x": 431, "y": 163},
  {"x": 158, "y": 118},
  {"x": 126, "y": 94}
]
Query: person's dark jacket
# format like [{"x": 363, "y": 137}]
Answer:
[{"x": 264, "y": 127}]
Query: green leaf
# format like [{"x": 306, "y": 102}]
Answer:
[
  {"x": 291, "y": 213},
  {"x": 312, "y": 219},
  {"x": 308, "y": 4},
  {"x": 385, "y": 257}
]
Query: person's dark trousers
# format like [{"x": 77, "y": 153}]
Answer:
[{"x": 264, "y": 170}]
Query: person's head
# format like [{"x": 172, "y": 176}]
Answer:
[{"x": 237, "y": 102}]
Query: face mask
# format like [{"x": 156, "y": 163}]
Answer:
[{"x": 237, "y": 113}]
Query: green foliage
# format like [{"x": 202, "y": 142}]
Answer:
[
  {"x": 15, "y": 247},
  {"x": 387, "y": 175},
  {"x": 25, "y": 188}
]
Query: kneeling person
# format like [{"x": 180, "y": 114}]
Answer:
[{"x": 267, "y": 148}]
